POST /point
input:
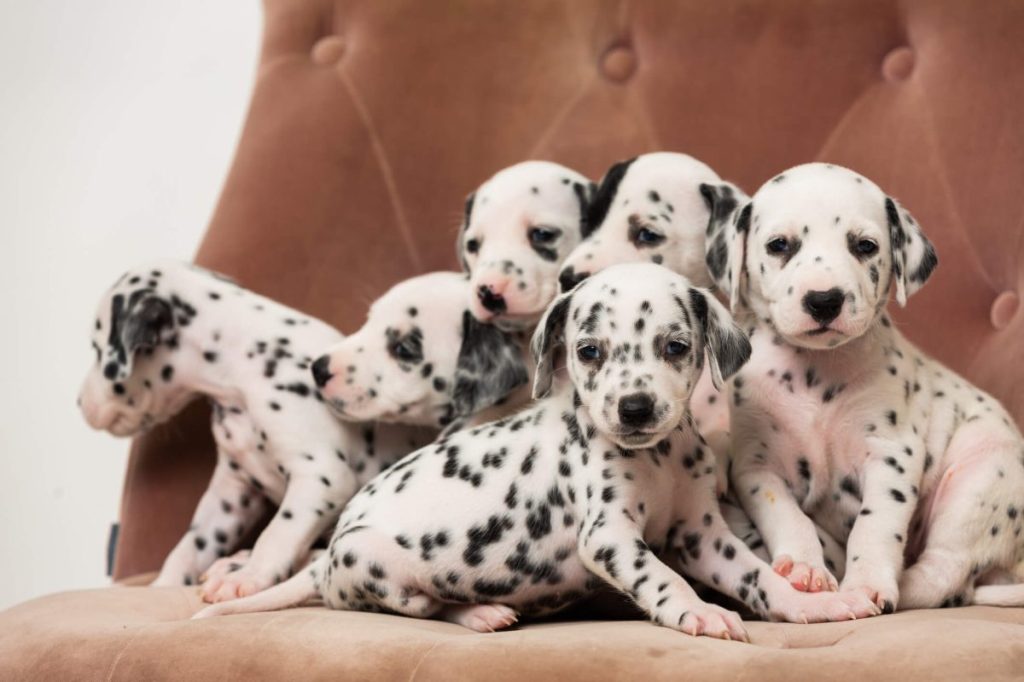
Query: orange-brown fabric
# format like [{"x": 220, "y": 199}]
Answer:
[
  {"x": 372, "y": 119},
  {"x": 135, "y": 633}
]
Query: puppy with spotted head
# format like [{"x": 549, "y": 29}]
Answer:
[
  {"x": 602, "y": 479},
  {"x": 518, "y": 227},
  {"x": 168, "y": 333},
  {"x": 840, "y": 419},
  {"x": 648, "y": 208},
  {"x": 421, "y": 356}
]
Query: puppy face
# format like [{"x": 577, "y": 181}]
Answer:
[
  {"x": 420, "y": 358},
  {"x": 518, "y": 227},
  {"x": 815, "y": 253},
  {"x": 647, "y": 209},
  {"x": 634, "y": 339},
  {"x": 135, "y": 332}
]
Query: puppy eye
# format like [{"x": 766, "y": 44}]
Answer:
[
  {"x": 473, "y": 245},
  {"x": 675, "y": 349},
  {"x": 542, "y": 235},
  {"x": 404, "y": 352},
  {"x": 866, "y": 247},
  {"x": 779, "y": 246},
  {"x": 647, "y": 237},
  {"x": 588, "y": 353}
]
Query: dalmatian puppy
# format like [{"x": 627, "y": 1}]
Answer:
[
  {"x": 603, "y": 481},
  {"x": 423, "y": 357},
  {"x": 659, "y": 207},
  {"x": 840, "y": 419},
  {"x": 517, "y": 228},
  {"x": 168, "y": 333}
]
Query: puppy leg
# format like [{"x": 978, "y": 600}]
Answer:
[
  {"x": 614, "y": 549},
  {"x": 307, "y": 510},
  {"x": 711, "y": 553},
  {"x": 225, "y": 512},
  {"x": 876, "y": 543},
  {"x": 790, "y": 535}
]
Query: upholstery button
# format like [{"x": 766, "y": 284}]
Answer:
[
  {"x": 898, "y": 64},
  {"x": 328, "y": 50},
  {"x": 618, "y": 63},
  {"x": 1004, "y": 308}
]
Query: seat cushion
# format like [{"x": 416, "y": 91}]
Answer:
[{"x": 136, "y": 633}]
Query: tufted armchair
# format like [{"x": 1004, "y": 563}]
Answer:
[{"x": 371, "y": 120}]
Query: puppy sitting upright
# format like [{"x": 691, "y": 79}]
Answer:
[
  {"x": 840, "y": 418},
  {"x": 168, "y": 333},
  {"x": 595, "y": 481}
]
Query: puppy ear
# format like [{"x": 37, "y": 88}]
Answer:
[
  {"x": 467, "y": 214},
  {"x": 489, "y": 367},
  {"x": 547, "y": 339},
  {"x": 142, "y": 325},
  {"x": 727, "y": 347},
  {"x": 584, "y": 197},
  {"x": 913, "y": 256},
  {"x": 726, "y": 242},
  {"x": 605, "y": 194}
]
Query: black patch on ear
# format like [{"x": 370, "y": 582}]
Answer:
[
  {"x": 490, "y": 366},
  {"x": 728, "y": 346},
  {"x": 117, "y": 315},
  {"x": 467, "y": 214},
  {"x": 897, "y": 236},
  {"x": 584, "y": 193},
  {"x": 144, "y": 322},
  {"x": 721, "y": 202},
  {"x": 605, "y": 195},
  {"x": 717, "y": 256},
  {"x": 743, "y": 221},
  {"x": 929, "y": 261}
]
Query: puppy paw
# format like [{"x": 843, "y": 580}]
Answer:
[
  {"x": 824, "y": 607},
  {"x": 482, "y": 617},
  {"x": 222, "y": 567},
  {"x": 885, "y": 594},
  {"x": 235, "y": 584},
  {"x": 710, "y": 621},
  {"x": 803, "y": 576}
]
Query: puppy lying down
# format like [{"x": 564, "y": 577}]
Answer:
[{"x": 602, "y": 479}]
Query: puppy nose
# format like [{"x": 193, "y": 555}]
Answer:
[
  {"x": 322, "y": 371},
  {"x": 824, "y": 306},
  {"x": 570, "y": 278},
  {"x": 636, "y": 409},
  {"x": 492, "y": 301}
]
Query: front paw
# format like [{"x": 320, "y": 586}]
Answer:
[
  {"x": 804, "y": 576},
  {"x": 824, "y": 607},
  {"x": 885, "y": 593},
  {"x": 225, "y": 565},
  {"x": 711, "y": 621},
  {"x": 236, "y": 584}
]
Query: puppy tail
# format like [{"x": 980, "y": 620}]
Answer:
[
  {"x": 292, "y": 592},
  {"x": 999, "y": 595}
]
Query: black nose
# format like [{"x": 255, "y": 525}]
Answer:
[
  {"x": 824, "y": 306},
  {"x": 321, "y": 371},
  {"x": 570, "y": 278},
  {"x": 490, "y": 300},
  {"x": 636, "y": 409}
]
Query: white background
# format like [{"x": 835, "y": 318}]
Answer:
[{"x": 118, "y": 121}]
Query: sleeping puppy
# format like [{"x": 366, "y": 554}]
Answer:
[
  {"x": 840, "y": 419},
  {"x": 168, "y": 333},
  {"x": 600, "y": 481},
  {"x": 517, "y": 228}
]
